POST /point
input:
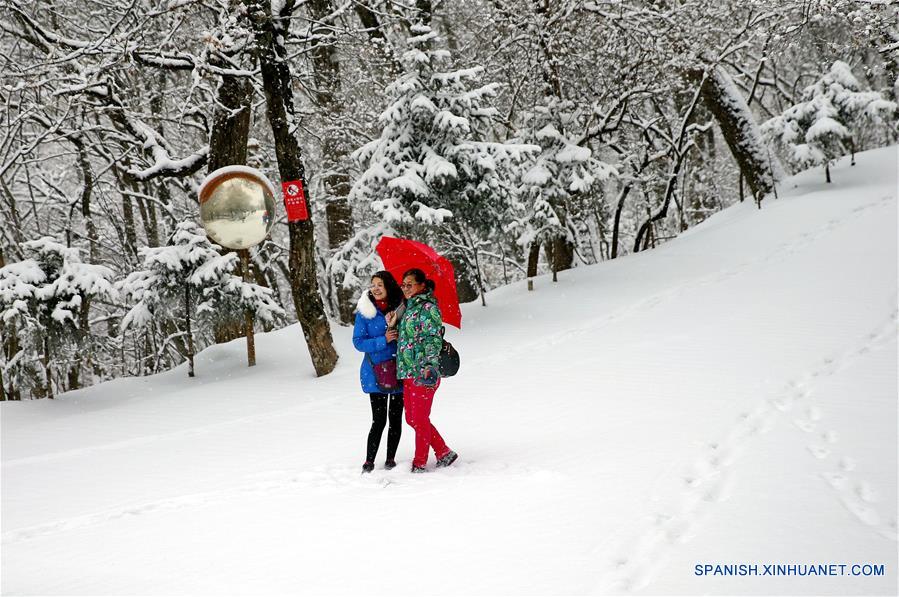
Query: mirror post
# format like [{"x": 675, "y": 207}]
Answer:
[{"x": 248, "y": 315}]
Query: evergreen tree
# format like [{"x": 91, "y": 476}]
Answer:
[
  {"x": 45, "y": 303},
  {"x": 834, "y": 117},
  {"x": 552, "y": 181},
  {"x": 431, "y": 169},
  {"x": 190, "y": 280}
]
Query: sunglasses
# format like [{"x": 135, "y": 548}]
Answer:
[{"x": 409, "y": 285}]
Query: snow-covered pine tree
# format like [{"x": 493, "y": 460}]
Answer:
[
  {"x": 431, "y": 174},
  {"x": 551, "y": 181},
  {"x": 189, "y": 280},
  {"x": 45, "y": 303},
  {"x": 834, "y": 116}
]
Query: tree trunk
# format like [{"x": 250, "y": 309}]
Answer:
[
  {"x": 336, "y": 147},
  {"x": 144, "y": 212},
  {"x": 479, "y": 277},
  {"x": 86, "y": 192},
  {"x": 153, "y": 231},
  {"x": 616, "y": 226},
  {"x": 230, "y": 123},
  {"x": 548, "y": 251},
  {"x": 10, "y": 348},
  {"x": 248, "y": 315},
  {"x": 533, "y": 260},
  {"x": 339, "y": 215},
  {"x": 562, "y": 255},
  {"x": 740, "y": 130},
  {"x": 8, "y": 340},
  {"x": 48, "y": 376},
  {"x": 190, "y": 336},
  {"x": 280, "y": 110},
  {"x": 375, "y": 32},
  {"x": 465, "y": 287},
  {"x": 227, "y": 147},
  {"x": 681, "y": 149},
  {"x": 128, "y": 216}
]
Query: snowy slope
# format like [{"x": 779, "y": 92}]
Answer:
[{"x": 730, "y": 397}]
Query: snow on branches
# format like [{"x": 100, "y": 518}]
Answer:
[
  {"x": 430, "y": 162},
  {"x": 433, "y": 173},
  {"x": 834, "y": 116},
  {"x": 44, "y": 306},
  {"x": 560, "y": 171},
  {"x": 190, "y": 278}
]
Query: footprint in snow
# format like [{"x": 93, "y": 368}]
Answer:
[
  {"x": 890, "y": 530},
  {"x": 863, "y": 512},
  {"x": 865, "y": 492},
  {"x": 804, "y": 425},
  {"x": 819, "y": 452},
  {"x": 720, "y": 490},
  {"x": 782, "y": 403},
  {"x": 836, "y": 480}
]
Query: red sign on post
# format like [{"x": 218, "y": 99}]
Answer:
[{"x": 294, "y": 200}]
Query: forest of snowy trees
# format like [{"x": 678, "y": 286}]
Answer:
[{"x": 517, "y": 137}]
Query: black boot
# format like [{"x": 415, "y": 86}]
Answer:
[
  {"x": 391, "y": 463},
  {"x": 448, "y": 459},
  {"x": 368, "y": 467}
]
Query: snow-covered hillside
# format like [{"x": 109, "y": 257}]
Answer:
[{"x": 728, "y": 398}]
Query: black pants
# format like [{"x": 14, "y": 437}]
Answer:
[{"x": 379, "y": 412}]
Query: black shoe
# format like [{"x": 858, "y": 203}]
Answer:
[
  {"x": 419, "y": 469},
  {"x": 389, "y": 464},
  {"x": 368, "y": 467},
  {"x": 448, "y": 459}
]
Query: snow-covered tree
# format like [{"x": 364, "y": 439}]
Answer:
[
  {"x": 45, "y": 304},
  {"x": 112, "y": 114},
  {"x": 561, "y": 171},
  {"x": 189, "y": 279},
  {"x": 833, "y": 118},
  {"x": 431, "y": 168}
]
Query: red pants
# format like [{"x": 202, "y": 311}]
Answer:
[{"x": 418, "y": 401}]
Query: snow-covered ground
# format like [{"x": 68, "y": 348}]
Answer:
[{"x": 729, "y": 398}]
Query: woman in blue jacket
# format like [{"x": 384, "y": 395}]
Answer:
[{"x": 372, "y": 337}]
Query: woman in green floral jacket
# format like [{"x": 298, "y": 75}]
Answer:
[{"x": 418, "y": 365}]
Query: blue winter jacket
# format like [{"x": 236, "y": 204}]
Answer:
[{"x": 368, "y": 337}]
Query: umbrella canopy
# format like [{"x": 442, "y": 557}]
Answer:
[{"x": 400, "y": 255}]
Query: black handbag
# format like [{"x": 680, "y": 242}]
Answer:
[{"x": 449, "y": 358}]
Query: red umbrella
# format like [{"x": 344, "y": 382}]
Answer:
[{"x": 400, "y": 254}]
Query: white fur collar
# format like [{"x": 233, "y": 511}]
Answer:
[{"x": 365, "y": 307}]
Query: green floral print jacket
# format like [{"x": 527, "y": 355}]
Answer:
[{"x": 420, "y": 340}]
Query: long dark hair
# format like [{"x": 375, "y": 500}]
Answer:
[
  {"x": 394, "y": 293},
  {"x": 420, "y": 278}
]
